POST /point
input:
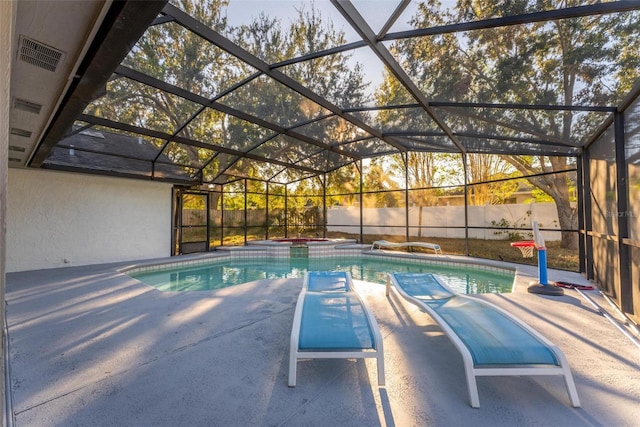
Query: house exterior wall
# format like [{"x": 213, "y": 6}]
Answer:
[
  {"x": 59, "y": 219},
  {"x": 7, "y": 23},
  {"x": 458, "y": 199}
]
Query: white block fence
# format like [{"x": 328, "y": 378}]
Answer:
[{"x": 392, "y": 220}]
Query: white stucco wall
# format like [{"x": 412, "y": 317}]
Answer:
[
  {"x": 84, "y": 219},
  {"x": 7, "y": 23}
]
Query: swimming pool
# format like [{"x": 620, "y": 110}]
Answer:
[{"x": 224, "y": 272}]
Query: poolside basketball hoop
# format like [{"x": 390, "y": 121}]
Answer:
[
  {"x": 542, "y": 286},
  {"x": 526, "y": 247}
]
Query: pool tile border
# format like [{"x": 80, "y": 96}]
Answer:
[{"x": 325, "y": 251}]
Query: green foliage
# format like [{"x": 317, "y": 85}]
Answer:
[
  {"x": 540, "y": 196},
  {"x": 510, "y": 233},
  {"x": 194, "y": 201},
  {"x": 343, "y": 186},
  {"x": 380, "y": 179}
]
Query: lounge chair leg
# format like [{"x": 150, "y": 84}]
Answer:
[
  {"x": 380, "y": 359},
  {"x": 472, "y": 386},
  {"x": 293, "y": 365},
  {"x": 571, "y": 389},
  {"x": 568, "y": 379}
]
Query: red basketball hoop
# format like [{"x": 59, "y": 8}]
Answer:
[{"x": 526, "y": 247}]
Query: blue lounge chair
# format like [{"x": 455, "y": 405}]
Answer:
[
  {"x": 331, "y": 321},
  {"x": 492, "y": 342}
]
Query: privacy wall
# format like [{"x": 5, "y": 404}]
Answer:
[
  {"x": 446, "y": 221},
  {"x": 59, "y": 219}
]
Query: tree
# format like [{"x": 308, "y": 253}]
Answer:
[
  {"x": 482, "y": 168},
  {"x": 343, "y": 186},
  {"x": 332, "y": 77},
  {"x": 179, "y": 57},
  {"x": 422, "y": 167},
  {"x": 172, "y": 54},
  {"x": 562, "y": 62},
  {"x": 382, "y": 183}
]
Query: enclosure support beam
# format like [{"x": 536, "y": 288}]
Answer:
[
  {"x": 175, "y": 220},
  {"x": 324, "y": 205},
  {"x": 179, "y": 222},
  {"x": 361, "y": 203},
  {"x": 466, "y": 204},
  {"x": 626, "y": 287},
  {"x": 245, "y": 211},
  {"x": 588, "y": 218},
  {"x": 208, "y": 219},
  {"x": 222, "y": 215},
  {"x": 286, "y": 211},
  {"x": 405, "y": 159},
  {"x": 581, "y": 208},
  {"x": 266, "y": 217}
]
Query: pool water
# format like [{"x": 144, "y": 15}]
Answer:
[{"x": 220, "y": 274}]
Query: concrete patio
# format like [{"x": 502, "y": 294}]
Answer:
[{"x": 92, "y": 347}]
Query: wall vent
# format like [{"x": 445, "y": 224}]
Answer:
[
  {"x": 38, "y": 54},
  {"x": 21, "y": 132},
  {"x": 24, "y": 105},
  {"x": 14, "y": 159},
  {"x": 16, "y": 148}
]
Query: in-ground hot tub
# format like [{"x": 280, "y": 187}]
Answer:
[
  {"x": 302, "y": 247},
  {"x": 312, "y": 241}
]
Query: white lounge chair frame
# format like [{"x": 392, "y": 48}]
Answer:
[
  {"x": 386, "y": 244},
  {"x": 472, "y": 371},
  {"x": 331, "y": 353}
]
